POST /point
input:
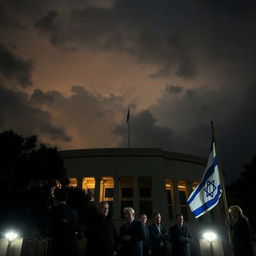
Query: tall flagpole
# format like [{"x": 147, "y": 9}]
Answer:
[
  {"x": 128, "y": 120},
  {"x": 222, "y": 185}
]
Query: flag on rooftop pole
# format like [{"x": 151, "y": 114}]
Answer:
[
  {"x": 128, "y": 121},
  {"x": 206, "y": 195},
  {"x": 128, "y": 115}
]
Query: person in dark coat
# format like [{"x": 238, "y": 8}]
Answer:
[
  {"x": 240, "y": 233},
  {"x": 180, "y": 237},
  {"x": 63, "y": 226},
  {"x": 158, "y": 236},
  {"x": 146, "y": 243},
  {"x": 131, "y": 235},
  {"x": 102, "y": 238}
]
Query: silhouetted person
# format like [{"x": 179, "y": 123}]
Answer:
[
  {"x": 102, "y": 238},
  {"x": 158, "y": 236},
  {"x": 241, "y": 239},
  {"x": 180, "y": 237},
  {"x": 145, "y": 243},
  {"x": 131, "y": 235},
  {"x": 63, "y": 224}
]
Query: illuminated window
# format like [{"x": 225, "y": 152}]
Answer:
[
  {"x": 183, "y": 199},
  {"x": 88, "y": 184},
  {"x": 107, "y": 192},
  {"x": 194, "y": 185},
  {"x": 73, "y": 182},
  {"x": 145, "y": 201},
  {"x": 169, "y": 195},
  {"x": 107, "y": 189},
  {"x": 126, "y": 193}
]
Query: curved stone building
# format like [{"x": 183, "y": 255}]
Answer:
[{"x": 149, "y": 180}]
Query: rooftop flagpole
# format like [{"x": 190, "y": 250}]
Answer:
[
  {"x": 224, "y": 197},
  {"x": 128, "y": 121}
]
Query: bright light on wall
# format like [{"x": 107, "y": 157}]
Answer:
[
  {"x": 10, "y": 236},
  {"x": 210, "y": 236}
]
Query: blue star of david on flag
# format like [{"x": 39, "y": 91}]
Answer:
[
  {"x": 206, "y": 195},
  {"x": 210, "y": 188}
]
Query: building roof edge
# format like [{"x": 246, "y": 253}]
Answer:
[{"x": 135, "y": 152}]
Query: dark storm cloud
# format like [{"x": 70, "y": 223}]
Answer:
[
  {"x": 237, "y": 136},
  {"x": 16, "y": 112},
  {"x": 145, "y": 132},
  {"x": 177, "y": 37},
  {"x": 9, "y": 21},
  {"x": 180, "y": 121},
  {"x": 46, "y": 24},
  {"x": 40, "y": 97},
  {"x": 190, "y": 111},
  {"x": 3, "y": 18},
  {"x": 14, "y": 67},
  {"x": 212, "y": 41},
  {"x": 145, "y": 30},
  {"x": 174, "y": 89},
  {"x": 91, "y": 117}
]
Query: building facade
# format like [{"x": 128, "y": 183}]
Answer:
[{"x": 149, "y": 180}]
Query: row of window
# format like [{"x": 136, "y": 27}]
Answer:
[
  {"x": 183, "y": 193},
  {"x": 126, "y": 192}
]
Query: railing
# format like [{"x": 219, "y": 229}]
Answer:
[
  {"x": 32, "y": 247},
  {"x": 35, "y": 247}
]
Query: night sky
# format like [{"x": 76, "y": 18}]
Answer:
[{"x": 70, "y": 68}]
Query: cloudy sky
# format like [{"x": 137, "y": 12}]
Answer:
[{"x": 70, "y": 68}]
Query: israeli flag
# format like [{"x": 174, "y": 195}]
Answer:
[{"x": 206, "y": 195}]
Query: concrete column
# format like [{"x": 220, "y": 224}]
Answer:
[
  {"x": 97, "y": 189},
  {"x": 176, "y": 197},
  {"x": 189, "y": 191},
  {"x": 219, "y": 213},
  {"x": 79, "y": 182},
  {"x": 116, "y": 203},
  {"x": 189, "y": 188},
  {"x": 136, "y": 196},
  {"x": 159, "y": 198}
]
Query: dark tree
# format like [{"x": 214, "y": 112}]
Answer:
[
  {"x": 28, "y": 170},
  {"x": 242, "y": 192}
]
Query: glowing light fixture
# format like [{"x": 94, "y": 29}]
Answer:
[
  {"x": 210, "y": 236},
  {"x": 10, "y": 236}
]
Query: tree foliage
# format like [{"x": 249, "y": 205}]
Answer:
[
  {"x": 242, "y": 192},
  {"x": 28, "y": 170}
]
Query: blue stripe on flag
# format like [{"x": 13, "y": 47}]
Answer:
[
  {"x": 208, "y": 204},
  {"x": 207, "y": 175}
]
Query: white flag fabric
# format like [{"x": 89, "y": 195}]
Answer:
[{"x": 206, "y": 195}]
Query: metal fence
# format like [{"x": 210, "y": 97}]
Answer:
[{"x": 35, "y": 247}]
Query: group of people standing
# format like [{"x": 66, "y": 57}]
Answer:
[
  {"x": 157, "y": 236},
  {"x": 135, "y": 237}
]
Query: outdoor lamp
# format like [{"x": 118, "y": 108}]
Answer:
[
  {"x": 10, "y": 236},
  {"x": 210, "y": 236}
]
